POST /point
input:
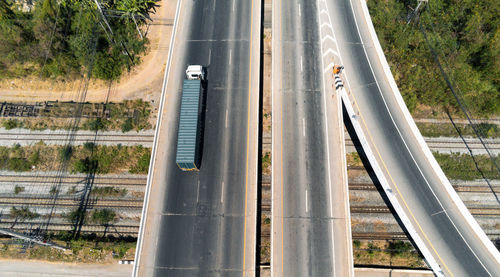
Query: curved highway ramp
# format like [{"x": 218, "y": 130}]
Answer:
[{"x": 451, "y": 241}]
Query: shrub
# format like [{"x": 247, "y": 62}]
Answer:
[
  {"x": 88, "y": 146},
  {"x": 11, "y": 124},
  {"x": 85, "y": 165},
  {"x": 127, "y": 125},
  {"x": 18, "y": 164},
  {"x": 65, "y": 153},
  {"x": 35, "y": 158},
  {"x": 18, "y": 189},
  {"x": 142, "y": 165},
  {"x": 399, "y": 247},
  {"x": 356, "y": 243},
  {"x": 23, "y": 213},
  {"x": 103, "y": 216}
]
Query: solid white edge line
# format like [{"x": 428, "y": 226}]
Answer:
[
  {"x": 303, "y": 127},
  {"x": 273, "y": 131},
  {"x": 155, "y": 143},
  {"x": 359, "y": 131},
  {"x": 347, "y": 210},
  {"x": 222, "y": 193},
  {"x": 447, "y": 185},
  {"x": 327, "y": 148},
  {"x": 258, "y": 36},
  {"x": 306, "y": 202},
  {"x": 226, "y": 117}
]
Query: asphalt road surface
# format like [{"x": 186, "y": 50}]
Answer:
[
  {"x": 310, "y": 236},
  {"x": 203, "y": 223},
  {"x": 450, "y": 239}
]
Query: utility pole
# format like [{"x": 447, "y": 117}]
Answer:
[{"x": 414, "y": 14}]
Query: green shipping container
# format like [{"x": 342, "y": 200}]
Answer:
[{"x": 187, "y": 157}]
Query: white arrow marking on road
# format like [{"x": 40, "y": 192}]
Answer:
[
  {"x": 327, "y": 37},
  {"x": 325, "y": 24},
  {"x": 330, "y": 50}
]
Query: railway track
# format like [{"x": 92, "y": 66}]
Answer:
[
  {"x": 118, "y": 203},
  {"x": 73, "y": 180},
  {"x": 78, "y": 138},
  {"x": 129, "y": 230},
  {"x": 382, "y": 209},
  {"x": 451, "y": 143},
  {"x": 458, "y": 188}
]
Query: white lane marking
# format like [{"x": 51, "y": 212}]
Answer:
[
  {"x": 325, "y": 24},
  {"x": 230, "y": 55},
  {"x": 226, "y": 118},
  {"x": 198, "y": 192},
  {"x": 222, "y": 194},
  {"x": 300, "y": 14},
  {"x": 328, "y": 156},
  {"x": 214, "y": 4},
  {"x": 330, "y": 50},
  {"x": 234, "y": 1},
  {"x": 328, "y": 37},
  {"x": 303, "y": 127},
  {"x": 307, "y": 206},
  {"x": 330, "y": 65},
  {"x": 301, "y": 64},
  {"x": 209, "y": 55},
  {"x": 436, "y": 213}
]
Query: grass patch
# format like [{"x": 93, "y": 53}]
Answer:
[
  {"x": 386, "y": 253},
  {"x": 447, "y": 130},
  {"x": 81, "y": 159},
  {"x": 108, "y": 191},
  {"x": 462, "y": 167}
]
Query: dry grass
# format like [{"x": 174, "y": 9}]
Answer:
[
  {"x": 377, "y": 256},
  {"x": 86, "y": 252}
]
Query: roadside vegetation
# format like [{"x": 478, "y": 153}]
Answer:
[
  {"x": 486, "y": 130},
  {"x": 105, "y": 159},
  {"x": 386, "y": 253},
  {"x": 461, "y": 166},
  {"x": 465, "y": 34},
  {"x": 61, "y": 39},
  {"x": 86, "y": 249}
]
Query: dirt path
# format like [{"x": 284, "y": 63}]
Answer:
[
  {"x": 143, "y": 82},
  {"x": 41, "y": 268}
]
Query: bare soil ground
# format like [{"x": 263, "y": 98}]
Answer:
[{"x": 144, "y": 81}]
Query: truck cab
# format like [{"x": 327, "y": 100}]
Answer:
[{"x": 195, "y": 72}]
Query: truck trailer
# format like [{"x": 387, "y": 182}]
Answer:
[{"x": 188, "y": 156}]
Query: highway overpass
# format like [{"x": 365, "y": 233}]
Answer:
[
  {"x": 450, "y": 239},
  {"x": 204, "y": 223},
  {"x": 311, "y": 233}
]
